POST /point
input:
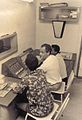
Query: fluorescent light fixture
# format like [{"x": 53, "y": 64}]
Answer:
[{"x": 28, "y": 1}]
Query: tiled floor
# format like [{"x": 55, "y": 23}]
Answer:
[{"x": 74, "y": 109}]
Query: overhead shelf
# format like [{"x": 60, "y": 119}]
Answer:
[{"x": 59, "y": 13}]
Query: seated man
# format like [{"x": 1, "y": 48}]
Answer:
[
  {"x": 50, "y": 66},
  {"x": 63, "y": 71},
  {"x": 39, "y": 99}
]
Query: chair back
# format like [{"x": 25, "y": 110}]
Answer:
[{"x": 70, "y": 80}]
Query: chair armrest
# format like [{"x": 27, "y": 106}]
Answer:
[{"x": 61, "y": 90}]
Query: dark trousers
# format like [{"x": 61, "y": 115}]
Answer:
[
  {"x": 65, "y": 80},
  {"x": 21, "y": 98}
]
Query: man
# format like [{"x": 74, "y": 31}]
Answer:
[
  {"x": 63, "y": 71},
  {"x": 50, "y": 66}
]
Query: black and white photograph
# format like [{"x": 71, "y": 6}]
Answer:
[{"x": 40, "y": 60}]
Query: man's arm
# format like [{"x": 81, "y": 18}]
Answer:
[{"x": 55, "y": 87}]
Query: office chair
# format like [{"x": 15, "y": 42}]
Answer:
[
  {"x": 54, "y": 115},
  {"x": 48, "y": 117},
  {"x": 60, "y": 94}
]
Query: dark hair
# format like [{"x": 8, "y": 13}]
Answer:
[
  {"x": 36, "y": 52},
  {"x": 31, "y": 62},
  {"x": 56, "y": 48},
  {"x": 47, "y": 47}
]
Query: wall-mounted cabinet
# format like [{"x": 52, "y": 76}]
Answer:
[
  {"x": 59, "y": 13},
  {"x": 8, "y": 45}
]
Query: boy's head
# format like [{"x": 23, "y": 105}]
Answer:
[
  {"x": 55, "y": 49},
  {"x": 31, "y": 62}
]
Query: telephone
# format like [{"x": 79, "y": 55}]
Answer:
[{"x": 14, "y": 67}]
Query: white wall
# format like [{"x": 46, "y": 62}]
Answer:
[
  {"x": 17, "y": 16},
  {"x": 72, "y": 34}
]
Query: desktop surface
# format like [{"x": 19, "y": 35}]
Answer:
[{"x": 10, "y": 96}]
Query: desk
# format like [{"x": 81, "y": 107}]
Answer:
[
  {"x": 69, "y": 59},
  {"x": 5, "y": 101}
]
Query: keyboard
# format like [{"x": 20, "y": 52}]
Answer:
[
  {"x": 2, "y": 86},
  {"x": 5, "y": 90},
  {"x": 22, "y": 74}
]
